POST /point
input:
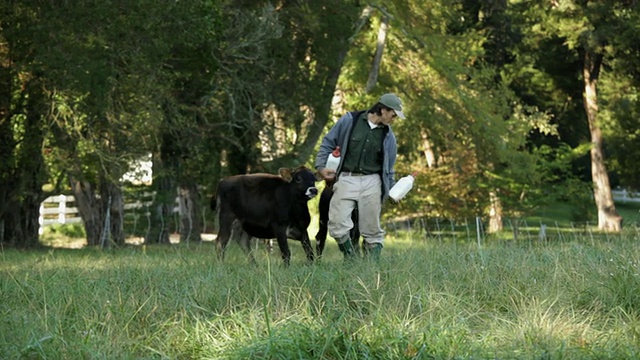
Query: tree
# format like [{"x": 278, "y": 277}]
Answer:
[
  {"x": 192, "y": 35},
  {"x": 104, "y": 72},
  {"x": 468, "y": 126},
  {"x": 307, "y": 61},
  {"x": 96, "y": 88},
  {"x": 23, "y": 109},
  {"x": 590, "y": 32},
  {"x": 618, "y": 90}
]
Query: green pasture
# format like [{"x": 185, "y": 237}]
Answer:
[
  {"x": 561, "y": 298},
  {"x": 574, "y": 300}
]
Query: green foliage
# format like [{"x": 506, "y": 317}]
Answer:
[
  {"x": 63, "y": 235},
  {"x": 307, "y": 61},
  {"x": 458, "y": 108},
  {"x": 220, "y": 87},
  {"x": 561, "y": 185},
  {"x": 621, "y": 126}
]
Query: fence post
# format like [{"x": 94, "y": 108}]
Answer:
[
  {"x": 62, "y": 209},
  {"x": 41, "y": 219},
  {"x": 466, "y": 223},
  {"x": 478, "y": 231},
  {"x": 542, "y": 235},
  {"x": 560, "y": 237},
  {"x": 453, "y": 228}
]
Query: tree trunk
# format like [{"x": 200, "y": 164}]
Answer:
[
  {"x": 23, "y": 170},
  {"x": 21, "y": 225},
  {"x": 162, "y": 206},
  {"x": 429, "y": 154},
  {"x": 190, "y": 220},
  {"x": 102, "y": 216},
  {"x": 7, "y": 148},
  {"x": 495, "y": 213},
  {"x": 88, "y": 208},
  {"x": 32, "y": 171},
  {"x": 113, "y": 205},
  {"x": 323, "y": 110},
  {"x": 377, "y": 59},
  {"x": 608, "y": 217},
  {"x": 243, "y": 160}
]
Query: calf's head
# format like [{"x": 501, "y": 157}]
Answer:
[{"x": 303, "y": 180}]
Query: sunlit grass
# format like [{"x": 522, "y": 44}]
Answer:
[{"x": 425, "y": 300}]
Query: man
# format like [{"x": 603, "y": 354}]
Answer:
[{"x": 365, "y": 173}]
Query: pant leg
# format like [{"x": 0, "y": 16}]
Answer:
[
  {"x": 345, "y": 195},
  {"x": 370, "y": 209}
]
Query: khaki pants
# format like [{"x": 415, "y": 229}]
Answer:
[{"x": 366, "y": 192}]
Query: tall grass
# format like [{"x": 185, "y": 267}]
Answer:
[{"x": 424, "y": 300}]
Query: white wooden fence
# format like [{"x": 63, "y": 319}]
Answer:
[
  {"x": 55, "y": 210},
  {"x": 60, "y": 209},
  {"x": 624, "y": 196}
]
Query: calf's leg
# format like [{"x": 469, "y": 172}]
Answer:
[
  {"x": 323, "y": 213},
  {"x": 245, "y": 242},
  {"x": 306, "y": 245},
  {"x": 355, "y": 231},
  {"x": 283, "y": 245},
  {"x": 224, "y": 233}
]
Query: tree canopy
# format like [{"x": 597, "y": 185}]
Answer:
[{"x": 505, "y": 100}]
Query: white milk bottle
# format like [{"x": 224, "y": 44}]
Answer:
[
  {"x": 334, "y": 159},
  {"x": 402, "y": 187}
]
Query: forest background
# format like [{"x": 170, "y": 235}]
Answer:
[{"x": 511, "y": 105}]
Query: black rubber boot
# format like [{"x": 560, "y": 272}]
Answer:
[
  {"x": 348, "y": 250},
  {"x": 373, "y": 252}
]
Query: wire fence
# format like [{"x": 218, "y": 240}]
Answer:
[
  {"x": 474, "y": 230},
  {"x": 61, "y": 209}
]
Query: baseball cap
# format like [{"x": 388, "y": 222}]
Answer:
[{"x": 392, "y": 101}]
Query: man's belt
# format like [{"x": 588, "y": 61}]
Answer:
[{"x": 349, "y": 173}]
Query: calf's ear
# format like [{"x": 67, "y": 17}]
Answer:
[{"x": 286, "y": 174}]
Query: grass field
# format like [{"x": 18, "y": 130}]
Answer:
[{"x": 425, "y": 300}]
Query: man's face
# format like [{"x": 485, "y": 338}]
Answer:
[{"x": 388, "y": 116}]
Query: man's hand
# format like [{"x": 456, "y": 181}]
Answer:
[{"x": 327, "y": 174}]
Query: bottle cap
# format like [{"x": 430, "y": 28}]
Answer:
[{"x": 336, "y": 151}]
